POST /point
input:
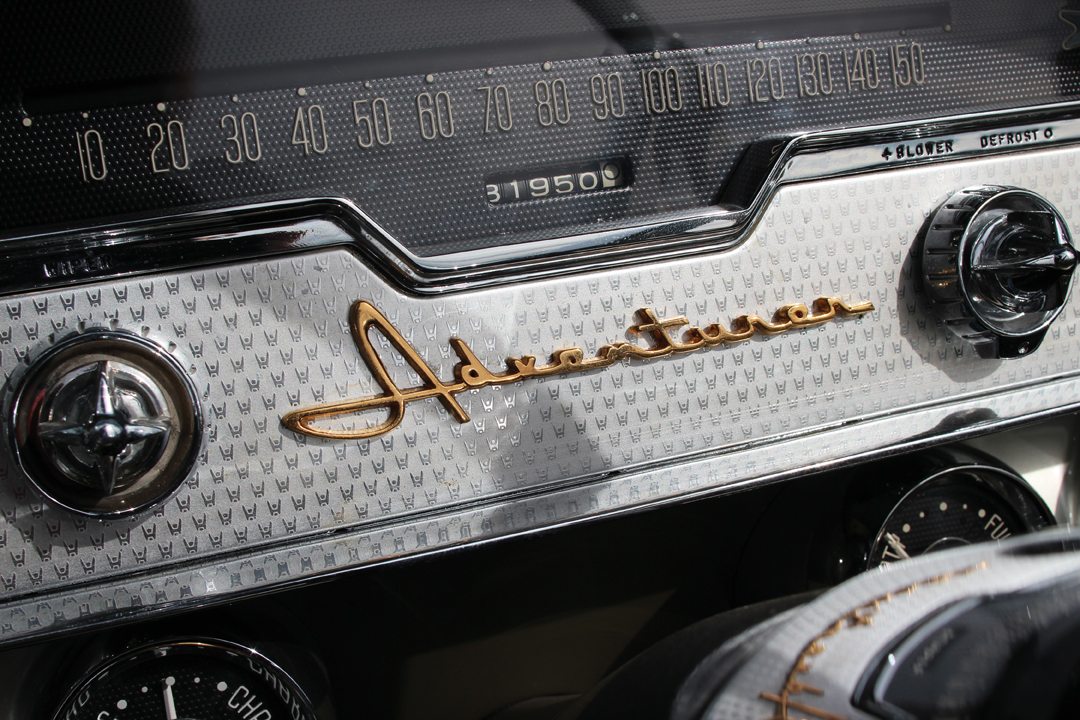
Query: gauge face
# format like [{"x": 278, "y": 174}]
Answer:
[
  {"x": 456, "y": 128},
  {"x": 960, "y": 506},
  {"x": 187, "y": 680}
]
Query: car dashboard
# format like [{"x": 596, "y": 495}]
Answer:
[{"x": 446, "y": 359}]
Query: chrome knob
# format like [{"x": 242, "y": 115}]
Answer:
[
  {"x": 997, "y": 265},
  {"x": 106, "y": 423}
]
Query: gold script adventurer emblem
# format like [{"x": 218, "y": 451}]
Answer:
[{"x": 472, "y": 373}]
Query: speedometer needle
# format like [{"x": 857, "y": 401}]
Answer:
[
  {"x": 170, "y": 703},
  {"x": 893, "y": 542}
]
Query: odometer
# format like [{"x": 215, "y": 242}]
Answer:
[
  {"x": 559, "y": 182},
  {"x": 187, "y": 680}
]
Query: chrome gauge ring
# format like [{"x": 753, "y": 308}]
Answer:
[{"x": 106, "y": 424}]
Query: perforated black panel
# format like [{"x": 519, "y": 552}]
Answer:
[{"x": 430, "y": 194}]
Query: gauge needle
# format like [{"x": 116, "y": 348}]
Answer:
[
  {"x": 170, "y": 704},
  {"x": 894, "y": 543}
]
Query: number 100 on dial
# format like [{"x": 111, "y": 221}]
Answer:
[{"x": 580, "y": 179}]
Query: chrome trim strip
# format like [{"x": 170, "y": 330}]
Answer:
[
  {"x": 179, "y": 588},
  {"x": 943, "y": 142},
  {"x": 61, "y": 258}
]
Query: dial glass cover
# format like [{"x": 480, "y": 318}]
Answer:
[
  {"x": 960, "y": 506},
  {"x": 187, "y": 680}
]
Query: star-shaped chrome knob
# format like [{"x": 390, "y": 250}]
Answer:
[
  {"x": 110, "y": 435},
  {"x": 106, "y": 423}
]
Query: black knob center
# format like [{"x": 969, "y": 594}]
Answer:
[{"x": 106, "y": 437}]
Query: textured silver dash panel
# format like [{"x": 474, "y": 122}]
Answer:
[
  {"x": 262, "y": 568},
  {"x": 266, "y": 337}
]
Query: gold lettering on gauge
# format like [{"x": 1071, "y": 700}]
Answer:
[{"x": 659, "y": 334}]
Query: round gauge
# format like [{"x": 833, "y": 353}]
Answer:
[
  {"x": 187, "y": 680},
  {"x": 959, "y": 506}
]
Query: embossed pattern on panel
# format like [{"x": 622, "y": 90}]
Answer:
[{"x": 264, "y": 338}]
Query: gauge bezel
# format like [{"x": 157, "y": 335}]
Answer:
[
  {"x": 147, "y": 651},
  {"x": 1008, "y": 485}
]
